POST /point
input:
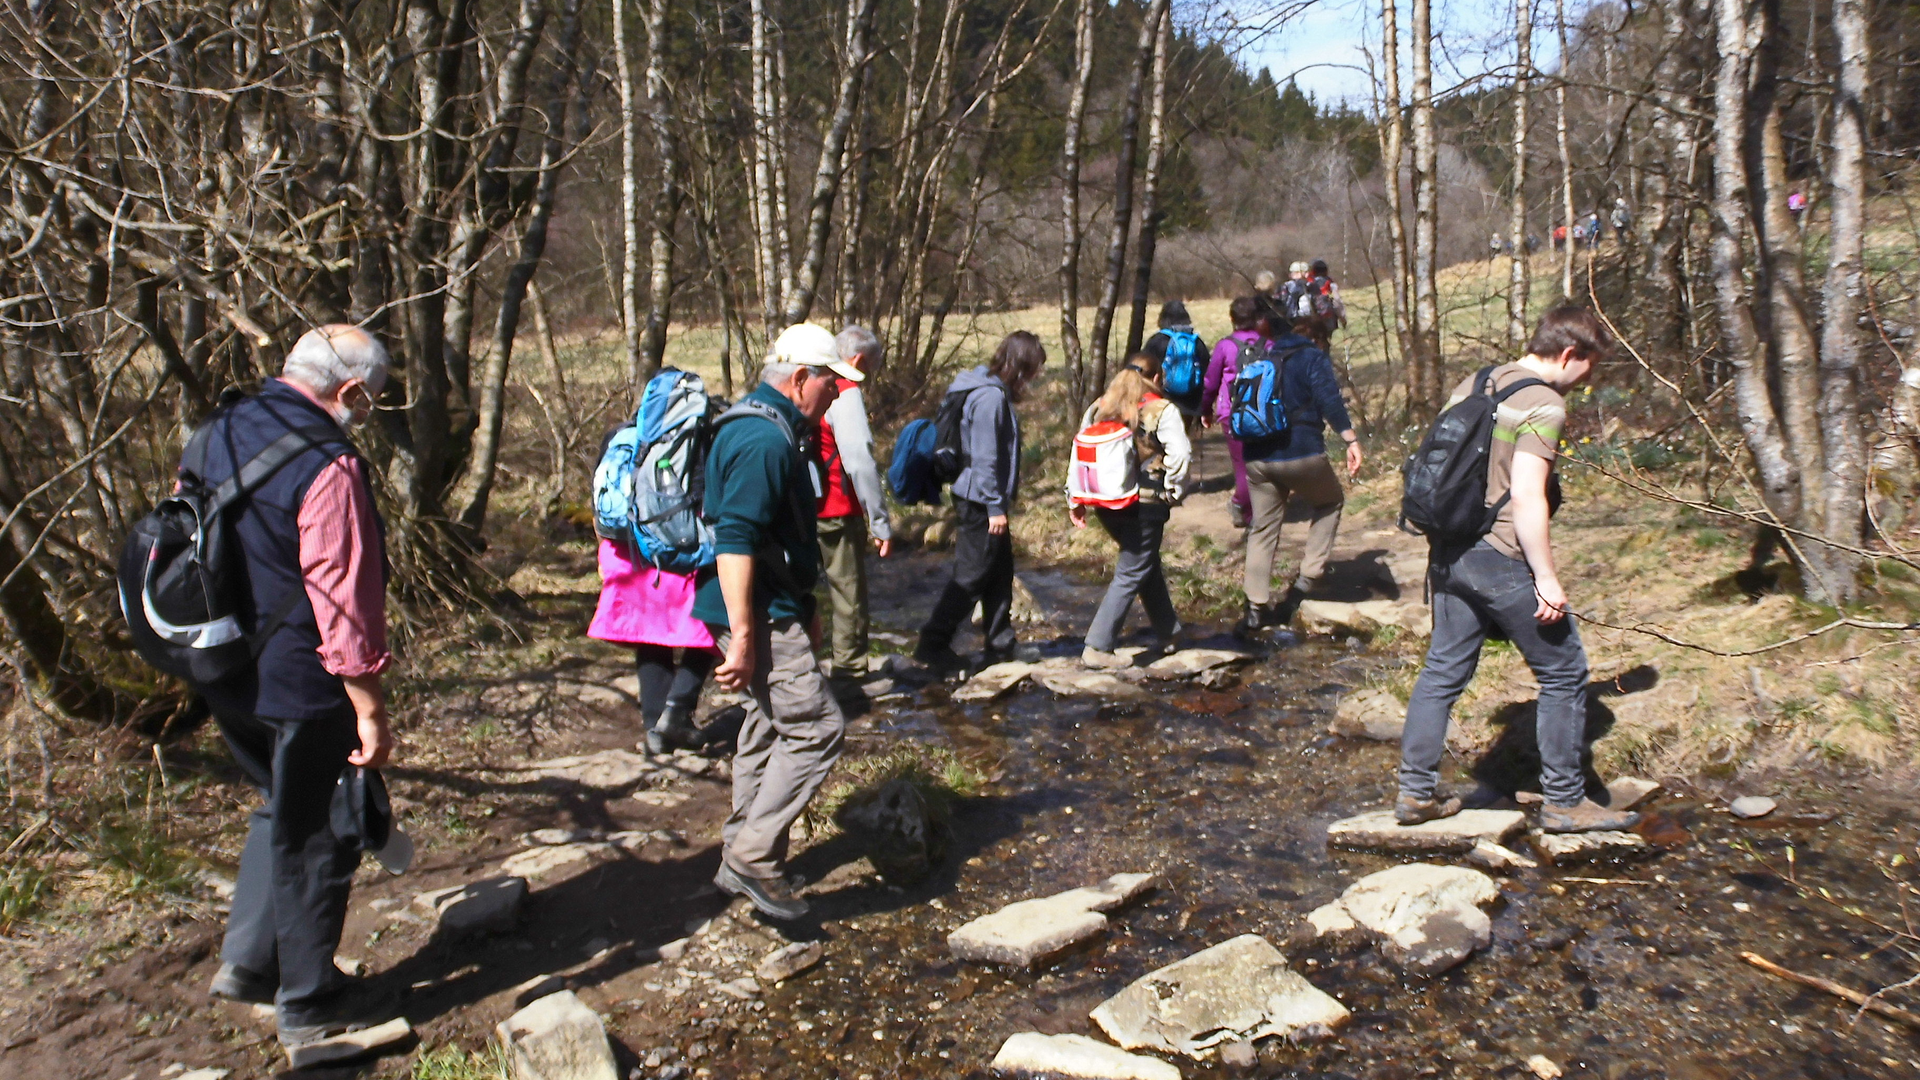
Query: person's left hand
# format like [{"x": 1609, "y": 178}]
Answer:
[
  {"x": 376, "y": 741},
  {"x": 1354, "y": 459},
  {"x": 997, "y": 525},
  {"x": 884, "y": 547},
  {"x": 1078, "y": 515}
]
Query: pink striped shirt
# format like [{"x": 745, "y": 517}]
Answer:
[{"x": 341, "y": 562}]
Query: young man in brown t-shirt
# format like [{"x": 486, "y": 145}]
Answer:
[{"x": 1507, "y": 582}]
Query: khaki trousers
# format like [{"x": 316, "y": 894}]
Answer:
[
  {"x": 843, "y": 557},
  {"x": 1272, "y": 484},
  {"x": 789, "y": 742}
]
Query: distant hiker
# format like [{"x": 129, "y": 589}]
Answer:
[
  {"x": 852, "y": 508},
  {"x": 652, "y": 543},
  {"x": 1322, "y": 284},
  {"x": 1292, "y": 462},
  {"x": 1217, "y": 392},
  {"x": 1181, "y": 354},
  {"x": 757, "y": 599},
  {"x": 1130, "y": 465},
  {"x": 982, "y": 497},
  {"x": 1264, "y": 282},
  {"x": 1620, "y": 219},
  {"x": 309, "y": 707},
  {"x": 1559, "y": 238},
  {"x": 1497, "y": 245},
  {"x": 1492, "y": 572},
  {"x": 1796, "y": 202},
  {"x": 1308, "y": 302}
]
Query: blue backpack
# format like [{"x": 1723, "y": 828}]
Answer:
[
  {"x": 1259, "y": 408},
  {"x": 910, "y": 472},
  {"x": 647, "y": 489},
  {"x": 1183, "y": 371}
]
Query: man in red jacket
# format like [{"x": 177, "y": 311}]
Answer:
[{"x": 852, "y": 509}]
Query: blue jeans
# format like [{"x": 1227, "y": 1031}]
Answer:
[{"x": 1475, "y": 592}]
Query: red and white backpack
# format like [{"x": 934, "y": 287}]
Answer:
[{"x": 1106, "y": 468}]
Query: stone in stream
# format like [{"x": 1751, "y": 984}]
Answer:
[
  {"x": 606, "y": 769},
  {"x": 1627, "y": 792},
  {"x": 178, "y": 1071},
  {"x": 1328, "y": 617},
  {"x": 537, "y": 863},
  {"x": 1752, "y": 806},
  {"x": 1190, "y": 662},
  {"x": 350, "y": 1045},
  {"x": 1377, "y": 831},
  {"x": 903, "y": 839},
  {"x": 1369, "y": 714},
  {"x": 478, "y": 907},
  {"x": 558, "y": 1038},
  {"x": 1426, "y": 918},
  {"x": 556, "y": 837},
  {"x": 992, "y": 681},
  {"x": 1088, "y": 684},
  {"x": 1561, "y": 849},
  {"x": 785, "y": 963},
  {"x": 1031, "y": 930},
  {"x": 1032, "y": 1054},
  {"x": 1239, "y": 990},
  {"x": 1492, "y": 856}
]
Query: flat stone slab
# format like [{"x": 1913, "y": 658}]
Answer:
[
  {"x": 1033, "y": 1054},
  {"x": 1377, "y": 831},
  {"x": 1088, "y": 684},
  {"x": 791, "y": 960},
  {"x": 1237, "y": 991},
  {"x": 992, "y": 681},
  {"x": 1425, "y": 917},
  {"x": 538, "y": 863},
  {"x": 1028, "y": 931},
  {"x": 1561, "y": 849},
  {"x": 1752, "y": 806},
  {"x": 606, "y": 769},
  {"x": 350, "y": 1045},
  {"x": 1492, "y": 856},
  {"x": 478, "y": 907},
  {"x": 1627, "y": 792},
  {"x": 1369, "y": 714},
  {"x": 1187, "y": 663},
  {"x": 558, "y": 1038}
]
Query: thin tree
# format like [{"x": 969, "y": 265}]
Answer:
[
  {"x": 1393, "y": 156},
  {"x": 1519, "y": 278},
  {"x": 629, "y": 202},
  {"x": 1842, "y": 438},
  {"x": 827, "y": 177},
  {"x": 1566, "y": 154},
  {"x": 1123, "y": 190},
  {"x": 1150, "y": 212},
  {"x": 666, "y": 192},
  {"x": 1070, "y": 236},
  {"x": 1426, "y": 295}
]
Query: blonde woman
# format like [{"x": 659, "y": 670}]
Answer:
[{"x": 1133, "y": 398}]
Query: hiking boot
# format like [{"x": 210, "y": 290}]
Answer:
[
  {"x": 672, "y": 730},
  {"x": 943, "y": 662},
  {"x": 1589, "y": 816},
  {"x": 357, "y": 1006},
  {"x": 1026, "y": 654},
  {"x": 1282, "y": 611},
  {"x": 236, "y": 983},
  {"x": 1099, "y": 659},
  {"x": 1237, "y": 513},
  {"x": 773, "y": 897},
  {"x": 1408, "y": 810},
  {"x": 1252, "y": 619}
]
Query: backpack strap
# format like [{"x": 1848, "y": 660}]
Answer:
[
  {"x": 747, "y": 407},
  {"x": 262, "y": 465},
  {"x": 1516, "y": 386}
]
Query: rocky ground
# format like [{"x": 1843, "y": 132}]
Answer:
[{"x": 1180, "y": 869}]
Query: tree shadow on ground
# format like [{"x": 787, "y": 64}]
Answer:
[
  {"x": 1363, "y": 576},
  {"x": 1512, "y": 763}
]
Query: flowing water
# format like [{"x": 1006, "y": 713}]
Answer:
[{"x": 1616, "y": 971}]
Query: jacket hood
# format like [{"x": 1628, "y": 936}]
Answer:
[{"x": 975, "y": 378}]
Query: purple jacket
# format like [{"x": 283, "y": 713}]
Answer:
[{"x": 1221, "y": 368}]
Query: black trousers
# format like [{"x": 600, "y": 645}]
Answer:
[
  {"x": 290, "y": 901},
  {"x": 664, "y": 682},
  {"x": 983, "y": 571}
]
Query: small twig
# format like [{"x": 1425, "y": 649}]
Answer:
[
  {"x": 1865, "y": 1001},
  {"x": 1611, "y": 881}
]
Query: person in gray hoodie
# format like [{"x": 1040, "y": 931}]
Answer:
[{"x": 982, "y": 495}]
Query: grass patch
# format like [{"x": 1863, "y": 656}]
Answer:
[
  {"x": 453, "y": 1063},
  {"x": 24, "y": 888},
  {"x": 941, "y": 777}
]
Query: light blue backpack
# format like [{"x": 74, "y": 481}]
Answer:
[{"x": 649, "y": 485}]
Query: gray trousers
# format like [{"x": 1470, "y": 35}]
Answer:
[
  {"x": 1475, "y": 592},
  {"x": 1272, "y": 483},
  {"x": 788, "y": 744},
  {"x": 843, "y": 560},
  {"x": 1136, "y": 572}
]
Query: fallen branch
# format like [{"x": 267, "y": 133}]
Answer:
[{"x": 1865, "y": 1001}]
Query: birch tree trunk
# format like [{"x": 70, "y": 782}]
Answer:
[
  {"x": 766, "y": 247},
  {"x": 1842, "y": 438},
  {"x": 1070, "y": 204},
  {"x": 629, "y": 202},
  {"x": 1123, "y": 191},
  {"x": 1150, "y": 213},
  {"x": 1518, "y": 269},
  {"x": 1426, "y": 297},
  {"x": 666, "y": 193},
  {"x": 1393, "y": 154},
  {"x": 826, "y": 178},
  {"x": 1566, "y": 153}
]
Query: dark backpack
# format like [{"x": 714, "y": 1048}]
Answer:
[
  {"x": 182, "y": 576},
  {"x": 1183, "y": 371},
  {"x": 949, "y": 451},
  {"x": 910, "y": 470},
  {"x": 1445, "y": 481}
]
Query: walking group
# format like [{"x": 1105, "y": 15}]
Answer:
[{"x": 262, "y": 579}]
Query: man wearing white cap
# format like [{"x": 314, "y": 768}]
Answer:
[{"x": 757, "y": 599}]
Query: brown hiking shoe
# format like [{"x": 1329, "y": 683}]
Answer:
[
  {"x": 1408, "y": 810},
  {"x": 1589, "y": 816}
]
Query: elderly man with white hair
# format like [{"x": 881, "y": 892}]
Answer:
[
  {"x": 853, "y": 509},
  {"x": 311, "y": 704}
]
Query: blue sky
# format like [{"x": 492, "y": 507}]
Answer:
[{"x": 1322, "y": 47}]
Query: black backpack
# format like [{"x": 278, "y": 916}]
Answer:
[
  {"x": 949, "y": 453},
  {"x": 183, "y": 579},
  {"x": 1445, "y": 493}
]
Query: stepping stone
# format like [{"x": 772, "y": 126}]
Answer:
[
  {"x": 785, "y": 963},
  {"x": 1190, "y": 662},
  {"x": 992, "y": 681},
  {"x": 1627, "y": 792},
  {"x": 1377, "y": 831},
  {"x": 1369, "y": 714},
  {"x": 1494, "y": 856},
  {"x": 1426, "y": 918},
  {"x": 1561, "y": 849},
  {"x": 1088, "y": 684},
  {"x": 351, "y": 1045},
  {"x": 1025, "y": 932},
  {"x": 1752, "y": 806},
  {"x": 606, "y": 769},
  {"x": 555, "y": 837},
  {"x": 1237, "y": 991},
  {"x": 537, "y": 863},
  {"x": 665, "y": 800},
  {"x": 1033, "y": 1054},
  {"x": 480, "y": 907},
  {"x": 558, "y": 1038}
]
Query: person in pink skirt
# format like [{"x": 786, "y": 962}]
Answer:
[{"x": 652, "y": 610}]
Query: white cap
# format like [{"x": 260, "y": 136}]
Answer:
[
  {"x": 811, "y": 345},
  {"x": 1298, "y": 268}
]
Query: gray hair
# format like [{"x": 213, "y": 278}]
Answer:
[
  {"x": 774, "y": 372},
  {"x": 857, "y": 340},
  {"x": 327, "y": 356}
]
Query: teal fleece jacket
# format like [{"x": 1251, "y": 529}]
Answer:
[{"x": 760, "y": 501}]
